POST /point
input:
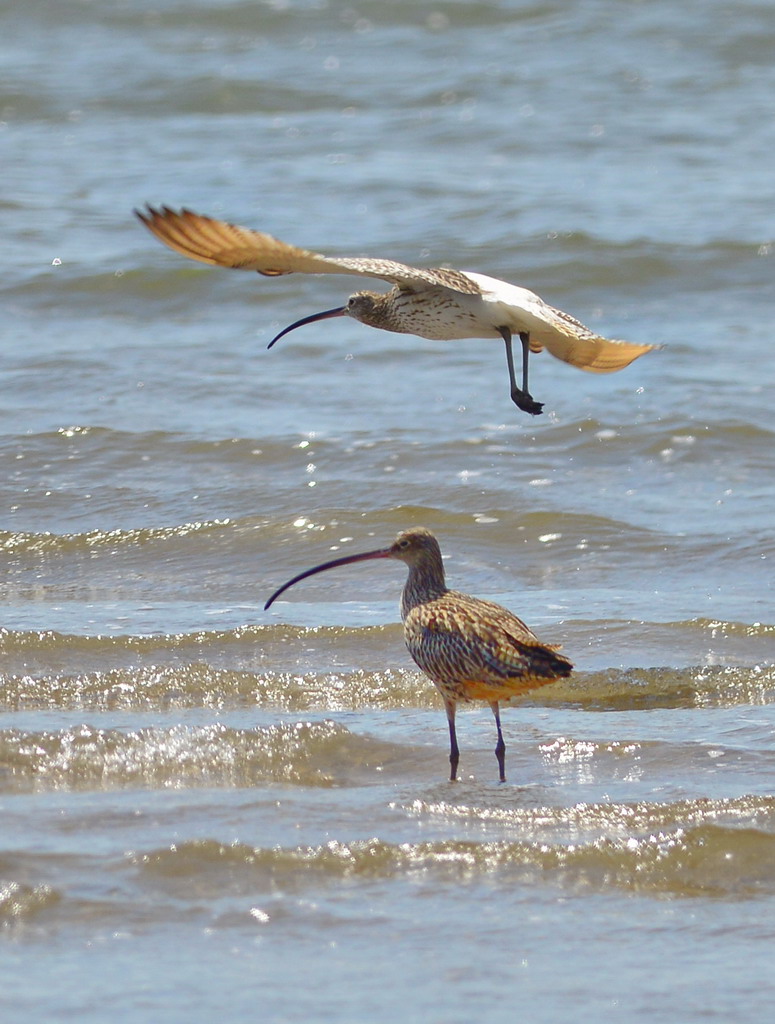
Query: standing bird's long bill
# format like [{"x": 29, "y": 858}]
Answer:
[
  {"x": 325, "y": 315},
  {"x": 346, "y": 560}
]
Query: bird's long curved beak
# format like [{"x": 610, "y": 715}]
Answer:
[
  {"x": 325, "y": 315},
  {"x": 346, "y": 560}
]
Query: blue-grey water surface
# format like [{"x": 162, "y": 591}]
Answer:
[{"x": 214, "y": 812}]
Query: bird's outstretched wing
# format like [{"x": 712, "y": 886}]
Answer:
[
  {"x": 222, "y": 244},
  {"x": 574, "y": 343},
  {"x": 227, "y": 245}
]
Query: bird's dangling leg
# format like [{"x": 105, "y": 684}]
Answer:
[
  {"x": 500, "y": 747},
  {"x": 520, "y": 396},
  {"x": 454, "y": 753}
]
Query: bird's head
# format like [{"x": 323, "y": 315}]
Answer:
[
  {"x": 416, "y": 548},
  {"x": 363, "y": 306}
]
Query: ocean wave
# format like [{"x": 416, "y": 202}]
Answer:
[
  {"x": 19, "y": 902},
  {"x": 199, "y": 684},
  {"x": 45, "y": 543},
  {"x": 316, "y": 754},
  {"x": 710, "y": 847}
]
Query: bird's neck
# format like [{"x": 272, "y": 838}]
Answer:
[{"x": 425, "y": 583}]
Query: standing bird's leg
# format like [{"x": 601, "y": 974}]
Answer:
[
  {"x": 454, "y": 753},
  {"x": 520, "y": 396},
  {"x": 500, "y": 748}
]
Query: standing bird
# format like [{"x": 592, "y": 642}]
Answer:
[
  {"x": 471, "y": 649},
  {"x": 442, "y": 305}
]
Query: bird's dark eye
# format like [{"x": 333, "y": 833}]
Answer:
[{"x": 403, "y": 543}]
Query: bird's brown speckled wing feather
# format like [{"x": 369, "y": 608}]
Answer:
[
  {"x": 476, "y": 649},
  {"x": 227, "y": 245}
]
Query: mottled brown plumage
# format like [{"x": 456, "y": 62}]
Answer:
[
  {"x": 437, "y": 303},
  {"x": 469, "y": 648}
]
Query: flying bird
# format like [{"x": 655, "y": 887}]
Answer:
[
  {"x": 439, "y": 304},
  {"x": 469, "y": 648}
]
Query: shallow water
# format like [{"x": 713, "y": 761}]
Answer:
[{"x": 215, "y": 811}]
